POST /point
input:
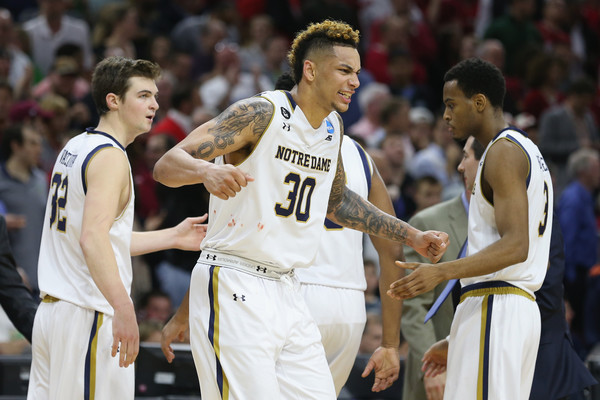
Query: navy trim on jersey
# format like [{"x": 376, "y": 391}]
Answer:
[
  {"x": 365, "y": 161},
  {"x": 513, "y": 139},
  {"x": 92, "y": 130},
  {"x": 87, "y": 160},
  {"x": 291, "y": 99}
]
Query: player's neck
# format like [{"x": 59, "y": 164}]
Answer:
[
  {"x": 112, "y": 126},
  {"x": 310, "y": 106}
]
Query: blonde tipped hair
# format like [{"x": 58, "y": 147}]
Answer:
[{"x": 318, "y": 37}]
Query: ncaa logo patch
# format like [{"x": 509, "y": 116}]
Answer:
[
  {"x": 329, "y": 127},
  {"x": 285, "y": 113}
]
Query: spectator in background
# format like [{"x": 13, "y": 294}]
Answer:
[
  {"x": 228, "y": 83},
  {"x": 430, "y": 158},
  {"x": 155, "y": 306},
  {"x": 148, "y": 207},
  {"x": 401, "y": 67},
  {"x": 6, "y": 102},
  {"x": 55, "y": 129},
  {"x": 428, "y": 192},
  {"x": 23, "y": 190},
  {"x": 400, "y": 185},
  {"x": 276, "y": 49},
  {"x": 370, "y": 99},
  {"x": 20, "y": 71},
  {"x": 260, "y": 30},
  {"x": 115, "y": 30},
  {"x": 518, "y": 34},
  {"x": 492, "y": 50},
  {"x": 568, "y": 127},
  {"x": 545, "y": 74},
  {"x": 65, "y": 80},
  {"x": 393, "y": 117},
  {"x": 578, "y": 223},
  {"x": 552, "y": 25},
  {"x": 53, "y": 28},
  {"x": 177, "y": 123}
]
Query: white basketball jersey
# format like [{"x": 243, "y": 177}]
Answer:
[
  {"x": 528, "y": 275},
  {"x": 277, "y": 220},
  {"x": 62, "y": 269},
  {"x": 339, "y": 261}
]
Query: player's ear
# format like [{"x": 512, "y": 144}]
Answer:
[
  {"x": 112, "y": 101},
  {"x": 480, "y": 101},
  {"x": 309, "y": 70}
]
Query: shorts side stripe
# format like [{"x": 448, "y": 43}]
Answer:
[
  {"x": 213, "y": 329},
  {"x": 89, "y": 390},
  {"x": 484, "y": 348}
]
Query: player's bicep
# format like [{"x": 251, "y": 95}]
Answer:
[
  {"x": 107, "y": 188},
  {"x": 240, "y": 125},
  {"x": 506, "y": 171}
]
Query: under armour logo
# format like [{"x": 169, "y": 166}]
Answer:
[
  {"x": 261, "y": 269},
  {"x": 285, "y": 113},
  {"x": 329, "y": 138},
  {"x": 241, "y": 298},
  {"x": 286, "y": 126},
  {"x": 211, "y": 257}
]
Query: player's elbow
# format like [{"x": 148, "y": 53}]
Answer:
[
  {"x": 161, "y": 174},
  {"x": 520, "y": 250}
]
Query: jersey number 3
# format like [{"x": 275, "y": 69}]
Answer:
[
  {"x": 59, "y": 201},
  {"x": 296, "y": 197}
]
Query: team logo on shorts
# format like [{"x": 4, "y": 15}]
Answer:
[{"x": 285, "y": 113}]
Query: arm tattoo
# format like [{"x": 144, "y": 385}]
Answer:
[
  {"x": 357, "y": 213},
  {"x": 254, "y": 113},
  {"x": 352, "y": 211}
]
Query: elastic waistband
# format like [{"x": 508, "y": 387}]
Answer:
[
  {"x": 243, "y": 265},
  {"x": 50, "y": 299},
  {"x": 492, "y": 287}
]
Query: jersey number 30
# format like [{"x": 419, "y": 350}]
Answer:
[
  {"x": 296, "y": 197},
  {"x": 59, "y": 201}
]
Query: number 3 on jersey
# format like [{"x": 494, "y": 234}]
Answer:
[
  {"x": 59, "y": 201},
  {"x": 296, "y": 199}
]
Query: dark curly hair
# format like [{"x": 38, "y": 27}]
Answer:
[
  {"x": 112, "y": 76},
  {"x": 475, "y": 75},
  {"x": 319, "y": 37}
]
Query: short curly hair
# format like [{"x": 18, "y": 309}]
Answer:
[
  {"x": 318, "y": 37},
  {"x": 475, "y": 76}
]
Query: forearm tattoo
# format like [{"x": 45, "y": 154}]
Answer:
[
  {"x": 357, "y": 213},
  {"x": 254, "y": 113},
  {"x": 352, "y": 211}
]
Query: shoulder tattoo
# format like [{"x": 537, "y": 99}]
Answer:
[{"x": 253, "y": 113}]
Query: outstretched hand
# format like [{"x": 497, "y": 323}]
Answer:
[
  {"x": 424, "y": 278},
  {"x": 431, "y": 244},
  {"x": 386, "y": 363}
]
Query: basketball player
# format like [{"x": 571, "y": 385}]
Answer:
[
  {"x": 86, "y": 316},
  {"x": 508, "y": 245},
  {"x": 276, "y": 176},
  {"x": 334, "y": 286}
]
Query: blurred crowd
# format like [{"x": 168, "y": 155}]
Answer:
[{"x": 214, "y": 52}]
